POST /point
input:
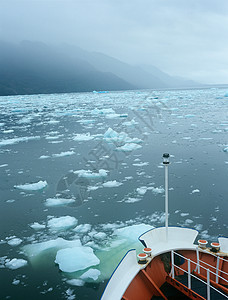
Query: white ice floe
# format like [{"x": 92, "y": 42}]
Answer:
[
  {"x": 113, "y": 183},
  {"x": 44, "y": 156},
  {"x": 37, "y": 249},
  {"x": 141, "y": 164},
  {"x": 37, "y": 226},
  {"x": 184, "y": 214},
  {"x": 75, "y": 282},
  {"x": 32, "y": 186},
  {"x": 195, "y": 191},
  {"x": 58, "y": 201},
  {"x": 188, "y": 222},
  {"x": 112, "y": 136},
  {"x": 142, "y": 190},
  {"x": 14, "y": 242},
  {"x": 225, "y": 149},
  {"x": 100, "y": 235},
  {"x": 82, "y": 228},
  {"x": 134, "y": 231},
  {"x": 90, "y": 174},
  {"x": 132, "y": 200},
  {"x": 129, "y": 147},
  {"x": 156, "y": 190},
  {"x": 62, "y": 154},
  {"x": 91, "y": 274},
  {"x": 15, "y": 281},
  {"x": 61, "y": 223},
  {"x": 15, "y": 263},
  {"x": 83, "y": 137},
  {"x": 76, "y": 259},
  {"x": 13, "y": 141},
  {"x": 4, "y": 165}
]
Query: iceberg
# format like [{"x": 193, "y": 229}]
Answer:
[
  {"x": 37, "y": 226},
  {"x": 32, "y": 186},
  {"x": 13, "y": 141},
  {"x": 90, "y": 174},
  {"x": 76, "y": 259},
  {"x": 61, "y": 223},
  {"x": 91, "y": 274},
  {"x": 37, "y": 249},
  {"x": 15, "y": 263},
  {"x": 14, "y": 242},
  {"x": 67, "y": 153},
  {"x": 113, "y": 183},
  {"x": 58, "y": 201}
]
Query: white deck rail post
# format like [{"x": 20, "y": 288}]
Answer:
[
  {"x": 217, "y": 270},
  {"x": 189, "y": 274},
  {"x": 166, "y": 164},
  {"x": 172, "y": 263},
  {"x": 198, "y": 264},
  {"x": 208, "y": 285}
]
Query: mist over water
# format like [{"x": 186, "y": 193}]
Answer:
[{"x": 82, "y": 173}]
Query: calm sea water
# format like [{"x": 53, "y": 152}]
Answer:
[{"x": 102, "y": 152}]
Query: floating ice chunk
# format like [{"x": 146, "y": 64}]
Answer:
[
  {"x": 91, "y": 274},
  {"x": 76, "y": 259},
  {"x": 142, "y": 190},
  {"x": 198, "y": 227},
  {"x": 15, "y": 242},
  {"x": 61, "y": 223},
  {"x": 66, "y": 153},
  {"x": 16, "y": 263},
  {"x": 142, "y": 164},
  {"x": 83, "y": 137},
  {"x": 16, "y": 282},
  {"x": 83, "y": 228},
  {"x": 113, "y": 183},
  {"x": 58, "y": 201},
  {"x": 188, "y": 221},
  {"x": 132, "y": 200},
  {"x": 225, "y": 149},
  {"x": 70, "y": 294},
  {"x": 75, "y": 282},
  {"x": 204, "y": 234},
  {"x": 37, "y": 226},
  {"x": 32, "y": 186},
  {"x": 129, "y": 147},
  {"x": 44, "y": 156},
  {"x": 8, "y": 131},
  {"x": 18, "y": 140},
  {"x": 184, "y": 214},
  {"x": 4, "y": 165},
  {"x": 90, "y": 174},
  {"x": 156, "y": 190},
  {"x": 37, "y": 249},
  {"x": 100, "y": 236},
  {"x": 112, "y": 136},
  {"x": 195, "y": 191},
  {"x": 133, "y": 232}
]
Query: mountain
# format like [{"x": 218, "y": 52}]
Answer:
[{"x": 34, "y": 67}]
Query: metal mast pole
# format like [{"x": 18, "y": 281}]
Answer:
[{"x": 166, "y": 164}]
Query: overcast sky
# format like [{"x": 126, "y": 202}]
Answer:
[{"x": 187, "y": 38}]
